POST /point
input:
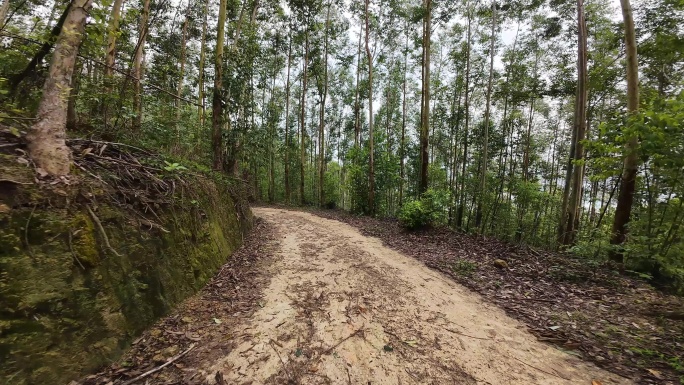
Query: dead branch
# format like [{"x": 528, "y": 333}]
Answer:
[
  {"x": 155, "y": 370},
  {"x": 541, "y": 370}
]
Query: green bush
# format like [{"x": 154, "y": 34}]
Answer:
[{"x": 429, "y": 210}]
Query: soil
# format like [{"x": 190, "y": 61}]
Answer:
[
  {"x": 587, "y": 308},
  {"x": 310, "y": 300}
]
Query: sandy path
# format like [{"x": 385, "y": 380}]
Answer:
[{"x": 343, "y": 309}]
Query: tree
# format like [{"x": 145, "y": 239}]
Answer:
[
  {"x": 217, "y": 102},
  {"x": 625, "y": 199},
  {"x": 425, "y": 105},
  {"x": 46, "y": 137},
  {"x": 371, "y": 135}
]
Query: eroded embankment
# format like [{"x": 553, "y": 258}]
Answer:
[{"x": 88, "y": 262}]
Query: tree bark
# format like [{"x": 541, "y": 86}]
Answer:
[
  {"x": 357, "y": 105},
  {"x": 321, "y": 126},
  {"x": 302, "y": 144},
  {"x": 46, "y": 137},
  {"x": 371, "y": 150},
  {"x": 625, "y": 199},
  {"x": 287, "y": 123},
  {"x": 138, "y": 64},
  {"x": 425, "y": 108},
  {"x": 181, "y": 75},
  {"x": 217, "y": 102},
  {"x": 402, "y": 145},
  {"x": 461, "y": 205},
  {"x": 485, "y": 147},
  {"x": 202, "y": 60}
]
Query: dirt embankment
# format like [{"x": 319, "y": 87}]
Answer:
[{"x": 90, "y": 261}]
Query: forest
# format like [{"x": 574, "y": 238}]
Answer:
[
  {"x": 555, "y": 124},
  {"x": 327, "y": 191}
]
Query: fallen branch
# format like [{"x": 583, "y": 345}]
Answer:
[
  {"x": 466, "y": 335},
  {"x": 270, "y": 342},
  {"x": 102, "y": 231},
  {"x": 330, "y": 349},
  {"x": 155, "y": 370},
  {"x": 541, "y": 370}
]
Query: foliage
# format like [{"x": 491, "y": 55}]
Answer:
[{"x": 429, "y": 210}]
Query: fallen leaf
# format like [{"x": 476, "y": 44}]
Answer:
[
  {"x": 217, "y": 321},
  {"x": 655, "y": 373},
  {"x": 554, "y": 328},
  {"x": 411, "y": 343},
  {"x": 596, "y": 382},
  {"x": 388, "y": 348}
]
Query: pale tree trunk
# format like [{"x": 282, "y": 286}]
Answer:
[
  {"x": 112, "y": 32},
  {"x": 181, "y": 76},
  {"x": 357, "y": 106},
  {"x": 371, "y": 173},
  {"x": 72, "y": 116},
  {"x": 461, "y": 204},
  {"x": 425, "y": 107},
  {"x": 46, "y": 137},
  {"x": 287, "y": 122},
  {"x": 485, "y": 149},
  {"x": 570, "y": 214},
  {"x": 302, "y": 144},
  {"x": 138, "y": 65},
  {"x": 321, "y": 126},
  {"x": 403, "y": 123},
  {"x": 202, "y": 60},
  {"x": 4, "y": 9},
  {"x": 217, "y": 102},
  {"x": 625, "y": 198}
]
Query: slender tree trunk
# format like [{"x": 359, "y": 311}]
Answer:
[
  {"x": 137, "y": 65},
  {"x": 402, "y": 145},
  {"x": 217, "y": 102},
  {"x": 4, "y": 9},
  {"x": 425, "y": 108},
  {"x": 181, "y": 75},
  {"x": 321, "y": 126},
  {"x": 201, "y": 110},
  {"x": 112, "y": 33},
  {"x": 357, "y": 105},
  {"x": 302, "y": 145},
  {"x": 461, "y": 205},
  {"x": 485, "y": 146},
  {"x": 287, "y": 123},
  {"x": 371, "y": 150},
  {"x": 625, "y": 198},
  {"x": 580, "y": 128},
  {"x": 46, "y": 137}
]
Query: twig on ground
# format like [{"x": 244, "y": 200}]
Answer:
[
  {"x": 270, "y": 342},
  {"x": 466, "y": 335},
  {"x": 330, "y": 349},
  {"x": 102, "y": 231},
  {"x": 541, "y": 370},
  {"x": 158, "y": 368}
]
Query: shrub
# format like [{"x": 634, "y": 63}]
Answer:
[{"x": 429, "y": 210}]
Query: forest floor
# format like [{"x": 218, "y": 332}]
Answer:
[{"x": 309, "y": 300}]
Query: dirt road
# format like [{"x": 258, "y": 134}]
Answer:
[{"x": 343, "y": 309}]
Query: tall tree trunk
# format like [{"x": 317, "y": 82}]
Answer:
[
  {"x": 217, "y": 102},
  {"x": 4, "y": 9},
  {"x": 357, "y": 105},
  {"x": 46, "y": 137},
  {"x": 580, "y": 128},
  {"x": 402, "y": 145},
  {"x": 138, "y": 65},
  {"x": 371, "y": 150},
  {"x": 625, "y": 199},
  {"x": 321, "y": 126},
  {"x": 485, "y": 146},
  {"x": 112, "y": 32},
  {"x": 425, "y": 108},
  {"x": 202, "y": 60},
  {"x": 302, "y": 120},
  {"x": 461, "y": 204},
  {"x": 181, "y": 75},
  {"x": 72, "y": 116},
  {"x": 287, "y": 123}
]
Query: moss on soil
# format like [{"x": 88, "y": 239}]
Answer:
[{"x": 68, "y": 303}]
